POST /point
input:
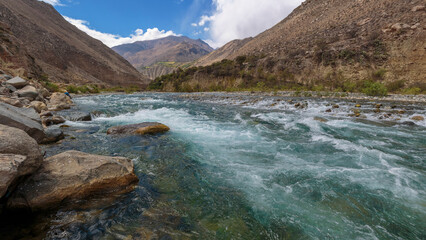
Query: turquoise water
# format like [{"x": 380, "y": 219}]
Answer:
[{"x": 244, "y": 167}]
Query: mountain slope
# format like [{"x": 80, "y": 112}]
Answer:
[
  {"x": 168, "y": 49},
  {"x": 325, "y": 42},
  {"x": 145, "y": 55},
  {"x": 62, "y": 51}
]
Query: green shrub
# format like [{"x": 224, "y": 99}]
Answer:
[
  {"x": 51, "y": 87},
  {"x": 412, "y": 91},
  {"x": 374, "y": 89},
  {"x": 395, "y": 86},
  {"x": 379, "y": 74},
  {"x": 349, "y": 86}
]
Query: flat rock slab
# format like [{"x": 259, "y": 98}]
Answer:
[
  {"x": 72, "y": 176},
  {"x": 26, "y": 119},
  {"x": 20, "y": 155},
  {"x": 139, "y": 129}
]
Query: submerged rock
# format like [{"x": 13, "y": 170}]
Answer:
[
  {"x": 320, "y": 119},
  {"x": 79, "y": 117},
  {"x": 26, "y": 119},
  {"x": 20, "y": 155},
  {"x": 417, "y": 118},
  {"x": 73, "y": 175},
  {"x": 139, "y": 129}
]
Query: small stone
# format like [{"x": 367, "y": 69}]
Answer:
[
  {"x": 358, "y": 105},
  {"x": 328, "y": 110},
  {"x": 65, "y": 126},
  {"x": 320, "y": 119},
  {"x": 336, "y": 106},
  {"x": 379, "y": 105}
]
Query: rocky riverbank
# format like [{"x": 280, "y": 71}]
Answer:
[{"x": 28, "y": 117}]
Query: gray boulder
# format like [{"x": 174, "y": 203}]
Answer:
[
  {"x": 20, "y": 155},
  {"x": 29, "y": 92},
  {"x": 71, "y": 176},
  {"x": 53, "y": 120},
  {"x": 26, "y": 119},
  {"x": 17, "y": 82},
  {"x": 53, "y": 135}
]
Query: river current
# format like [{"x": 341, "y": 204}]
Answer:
[{"x": 241, "y": 167}]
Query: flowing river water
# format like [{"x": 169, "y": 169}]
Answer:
[{"x": 247, "y": 167}]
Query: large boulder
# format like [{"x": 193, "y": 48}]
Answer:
[
  {"x": 139, "y": 129},
  {"x": 26, "y": 119},
  {"x": 17, "y": 82},
  {"x": 20, "y": 155},
  {"x": 71, "y": 176},
  {"x": 29, "y": 92},
  {"x": 59, "y": 101},
  {"x": 11, "y": 101}
]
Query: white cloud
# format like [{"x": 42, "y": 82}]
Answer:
[
  {"x": 53, "y": 2},
  {"x": 112, "y": 40},
  {"x": 237, "y": 19}
]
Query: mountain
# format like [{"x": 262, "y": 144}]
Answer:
[
  {"x": 323, "y": 43},
  {"x": 173, "y": 50},
  {"x": 37, "y": 40}
]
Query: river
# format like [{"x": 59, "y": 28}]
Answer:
[{"x": 244, "y": 167}]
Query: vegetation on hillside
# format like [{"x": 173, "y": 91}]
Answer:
[{"x": 261, "y": 73}]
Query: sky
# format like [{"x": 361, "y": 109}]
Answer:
[{"x": 217, "y": 22}]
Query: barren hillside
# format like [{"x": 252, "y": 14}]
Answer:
[
  {"x": 327, "y": 42},
  {"x": 62, "y": 51}
]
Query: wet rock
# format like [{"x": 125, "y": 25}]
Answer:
[
  {"x": 320, "y": 119},
  {"x": 38, "y": 106},
  {"x": 20, "y": 155},
  {"x": 79, "y": 117},
  {"x": 336, "y": 106},
  {"x": 53, "y": 120},
  {"x": 418, "y": 118},
  {"x": 53, "y": 135},
  {"x": 17, "y": 82},
  {"x": 29, "y": 92},
  {"x": 139, "y": 129},
  {"x": 5, "y": 77},
  {"x": 65, "y": 126},
  {"x": 71, "y": 176},
  {"x": 358, "y": 105},
  {"x": 328, "y": 110},
  {"x": 26, "y": 119},
  {"x": 379, "y": 105},
  {"x": 408, "y": 123}
]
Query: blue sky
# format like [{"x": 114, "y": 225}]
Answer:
[{"x": 216, "y": 21}]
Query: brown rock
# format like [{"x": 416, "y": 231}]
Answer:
[
  {"x": 11, "y": 101},
  {"x": 59, "y": 101},
  {"x": 418, "y": 118},
  {"x": 53, "y": 120},
  {"x": 29, "y": 92},
  {"x": 320, "y": 119},
  {"x": 140, "y": 128},
  {"x": 38, "y": 106},
  {"x": 73, "y": 175},
  {"x": 20, "y": 155}
]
